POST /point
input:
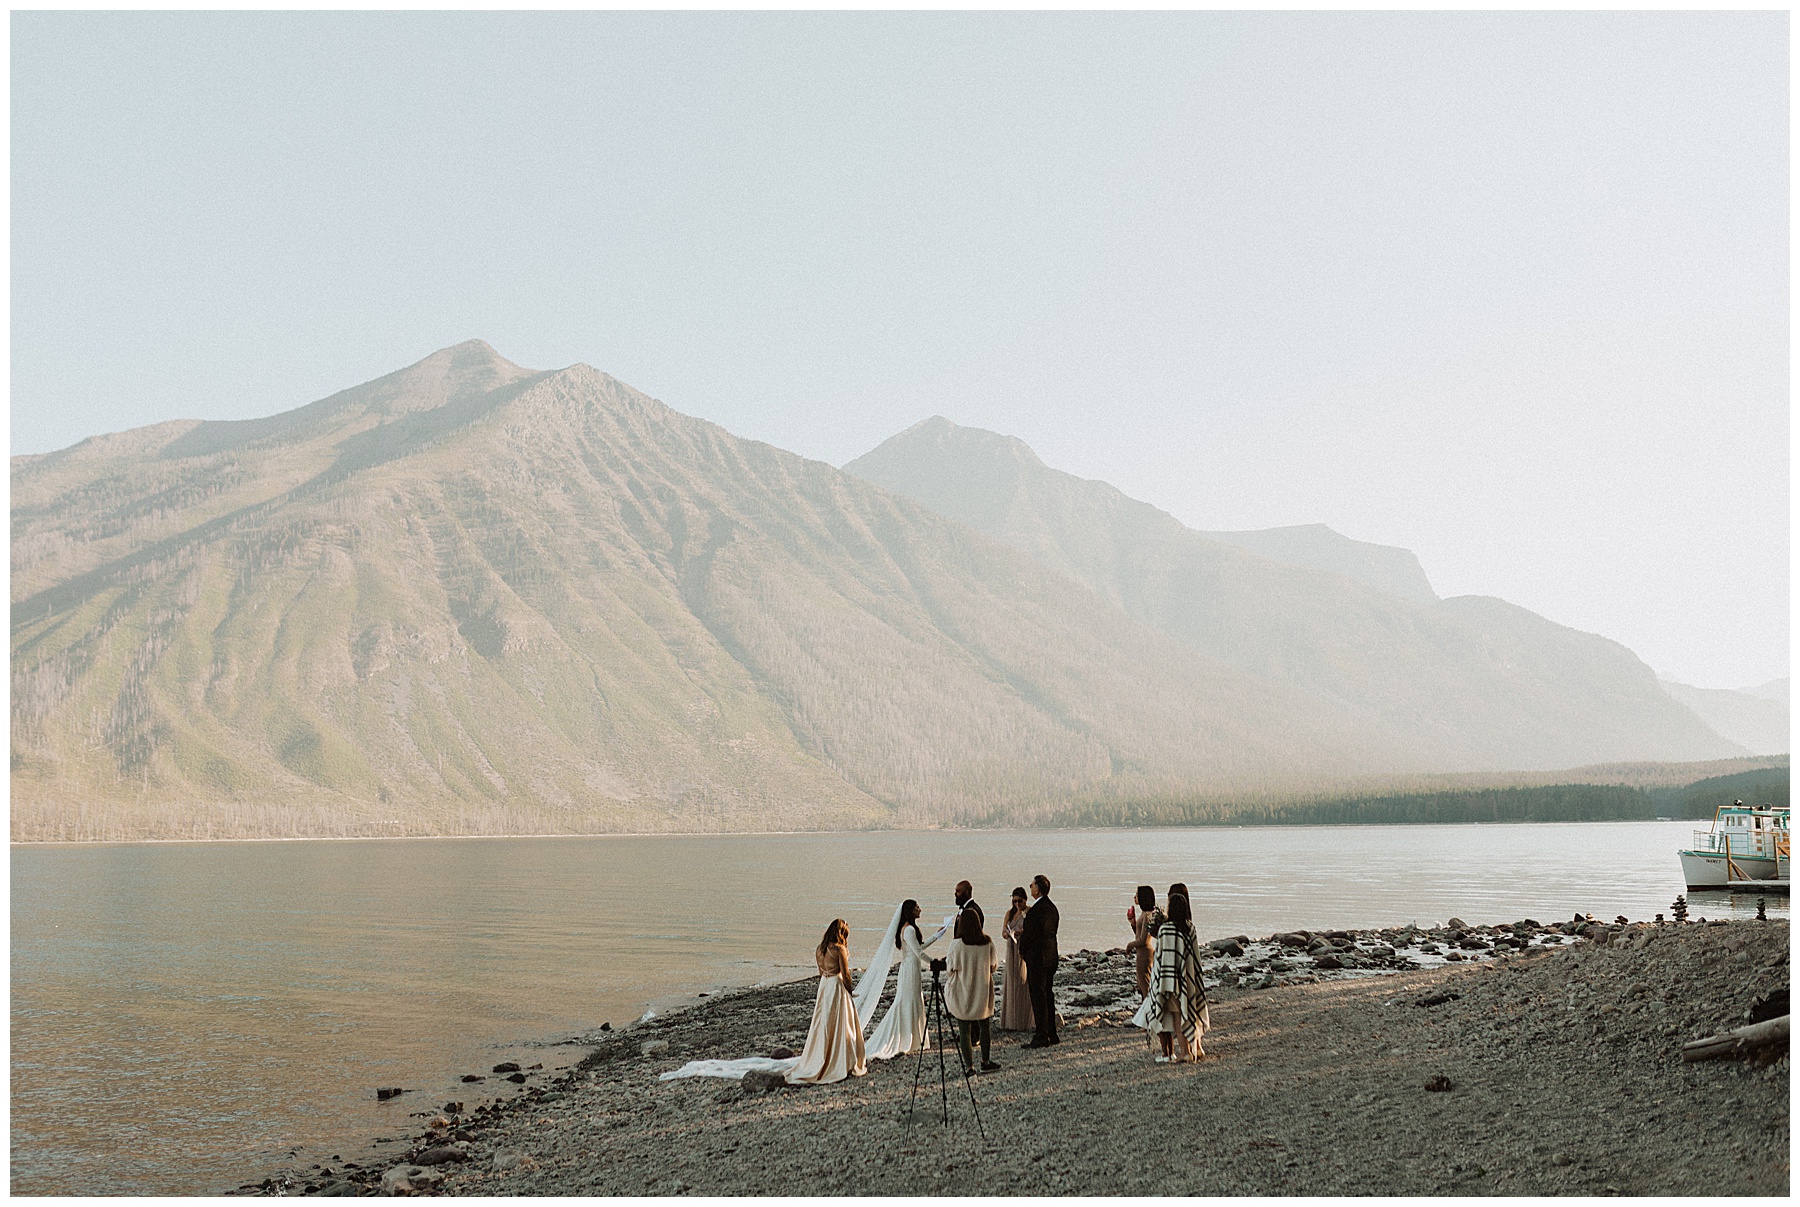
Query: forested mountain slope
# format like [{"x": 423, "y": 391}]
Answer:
[
  {"x": 1469, "y": 683},
  {"x": 472, "y": 598}
]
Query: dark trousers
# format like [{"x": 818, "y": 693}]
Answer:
[
  {"x": 1038, "y": 978},
  {"x": 968, "y": 1032}
]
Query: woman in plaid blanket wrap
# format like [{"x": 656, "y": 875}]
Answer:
[{"x": 1175, "y": 1009}]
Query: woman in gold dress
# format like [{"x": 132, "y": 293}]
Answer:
[{"x": 834, "y": 1043}]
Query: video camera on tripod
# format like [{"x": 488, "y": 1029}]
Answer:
[{"x": 937, "y": 1016}]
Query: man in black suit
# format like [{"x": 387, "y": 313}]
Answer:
[
  {"x": 965, "y": 900},
  {"x": 1037, "y": 944}
]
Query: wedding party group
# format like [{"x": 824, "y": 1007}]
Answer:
[
  {"x": 835, "y": 1047},
  {"x": 1173, "y": 1005},
  {"x": 839, "y": 1042}
]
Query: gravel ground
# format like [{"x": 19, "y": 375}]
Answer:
[{"x": 1560, "y": 1046}]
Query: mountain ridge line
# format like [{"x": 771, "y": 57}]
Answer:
[{"x": 482, "y": 597}]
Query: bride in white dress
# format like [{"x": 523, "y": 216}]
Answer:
[{"x": 902, "y": 1029}]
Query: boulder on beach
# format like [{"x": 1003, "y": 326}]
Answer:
[
  {"x": 409, "y": 1179},
  {"x": 441, "y": 1155},
  {"x": 764, "y": 1081}
]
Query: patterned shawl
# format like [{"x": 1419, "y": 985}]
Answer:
[{"x": 1175, "y": 980}]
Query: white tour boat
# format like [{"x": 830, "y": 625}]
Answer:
[{"x": 1746, "y": 843}]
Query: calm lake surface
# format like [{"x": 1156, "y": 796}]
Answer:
[{"x": 184, "y": 1016}]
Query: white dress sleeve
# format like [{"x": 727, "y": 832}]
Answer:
[{"x": 914, "y": 949}]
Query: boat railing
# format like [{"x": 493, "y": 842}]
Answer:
[{"x": 1756, "y": 843}]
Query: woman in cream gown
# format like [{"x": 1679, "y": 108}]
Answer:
[
  {"x": 902, "y": 1029},
  {"x": 834, "y": 1043}
]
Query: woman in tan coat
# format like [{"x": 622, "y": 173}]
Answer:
[{"x": 969, "y": 993}]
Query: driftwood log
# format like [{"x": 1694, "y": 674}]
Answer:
[{"x": 1733, "y": 1043}]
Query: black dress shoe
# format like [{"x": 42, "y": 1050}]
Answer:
[
  {"x": 1055, "y": 1039},
  {"x": 1036, "y": 1043},
  {"x": 988, "y": 1066}
]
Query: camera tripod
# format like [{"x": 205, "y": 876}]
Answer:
[{"x": 935, "y": 1015}]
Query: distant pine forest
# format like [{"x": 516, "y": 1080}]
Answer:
[{"x": 1554, "y": 802}]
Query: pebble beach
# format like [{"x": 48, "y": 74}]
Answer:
[{"x": 1519, "y": 1059}]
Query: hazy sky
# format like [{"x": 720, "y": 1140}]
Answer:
[{"x": 1510, "y": 290}]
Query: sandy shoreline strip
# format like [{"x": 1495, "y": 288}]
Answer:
[{"x": 1563, "y": 1064}]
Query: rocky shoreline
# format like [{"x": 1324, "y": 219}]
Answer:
[{"x": 1512, "y": 1059}]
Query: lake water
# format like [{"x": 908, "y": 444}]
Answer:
[{"x": 185, "y": 1016}]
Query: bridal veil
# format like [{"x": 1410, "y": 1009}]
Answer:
[{"x": 875, "y": 972}]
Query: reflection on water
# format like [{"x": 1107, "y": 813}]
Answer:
[{"x": 185, "y": 1015}]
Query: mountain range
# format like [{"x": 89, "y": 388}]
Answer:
[
  {"x": 1469, "y": 683},
  {"x": 1756, "y": 718},
  {"x": 469, "y": 597}
]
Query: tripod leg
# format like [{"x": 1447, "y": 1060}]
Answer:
[
  {"x": 918, "y": 1067},
  {"x": 937, "y": 1009}
]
